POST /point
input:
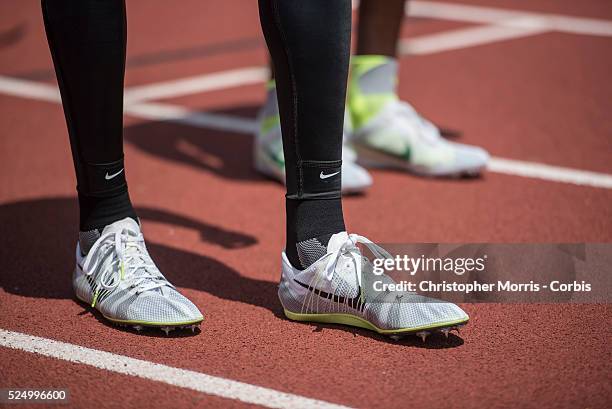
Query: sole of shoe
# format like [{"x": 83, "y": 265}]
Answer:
[
  {"x": 355, "y": 321},
  {"x": 166, "y": 327}
]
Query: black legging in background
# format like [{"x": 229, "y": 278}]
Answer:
[{"x": 309, "y": 41}]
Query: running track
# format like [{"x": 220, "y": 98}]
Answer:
[{"x": 529, "y": 81}]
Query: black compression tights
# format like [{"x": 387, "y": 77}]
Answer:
[
  {"x": 87, "y": 39},
  {"x": 309, "y": 42}
]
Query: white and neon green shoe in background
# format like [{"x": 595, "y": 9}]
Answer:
[
  {"x": 118, "y": 278},
  {"x": 389, "y": 133},
  {"x": 268, "y": 157},
  {"x": 338, "y": 288}
]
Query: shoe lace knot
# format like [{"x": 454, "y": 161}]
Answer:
[{"x": 349, "y": 249}]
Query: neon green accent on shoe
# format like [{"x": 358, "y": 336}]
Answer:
[
  {"x": 122, "y": 268},
  {"x": 95, "y": 298},
  {"x": 271, "y": 84},
  {"x": 270, "y": 123},
  {"x": 365, "y": 106},
  {"x": 153, "y": 323},
  {"x": 355, "y": 321}
]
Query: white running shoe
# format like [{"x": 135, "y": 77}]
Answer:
[
  {"x": 269, "y": 159},
  {"x": 332, "y": 291},
  {"x": 389, "y": 132},
  {"x": 119, "y": 279},
  {"x": 398, "y": 137}
]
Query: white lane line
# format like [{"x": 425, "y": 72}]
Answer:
[
  {"x": 168, "y": 112},
  {"x": 471, "y": 36},
  {"x": 549, "y": 172},
  {"x": 29, "y": 89},
  {"x": 211, "y": 385},
  {"x": 576, "y": 25},
  {"x": 460, "y": 12},
  {"x": 491, "y": 15},
  {"x": 196, "y": 84}
]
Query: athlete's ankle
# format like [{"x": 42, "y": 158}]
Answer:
[
  {"x": 372, "y": 85},
  {"x": 310, "y": 224},
  {"x": 98, "y": 212}
]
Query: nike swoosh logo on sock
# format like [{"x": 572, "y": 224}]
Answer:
[
  {"x": 324, "y": 176},
  {"x": 109, "y": 177}
]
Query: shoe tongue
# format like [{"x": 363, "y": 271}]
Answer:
[
  {"x": 336, "y": 241},
  {"x": 128, "y": 224}
]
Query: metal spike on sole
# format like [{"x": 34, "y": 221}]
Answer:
[
  {"x": 445, "y": 331},
  {"x": 167, "y": 329},
  {"x": 138, "y": 328},
  {"x": 423, "y": 335},
  {"x": 396, "y": 337}
]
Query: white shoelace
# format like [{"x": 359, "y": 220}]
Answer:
[
  {"x": 349, "y": 247},
  {"x": 118, "y": 256}
]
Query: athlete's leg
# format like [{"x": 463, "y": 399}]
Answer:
[
  {"x": 87, "y": 41},
  {"x": 379, "y": 26},
  {"x": 309, "y": 42},
  {"x": 114, "y": 272}
]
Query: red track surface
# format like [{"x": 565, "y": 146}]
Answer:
[{"x": 218, "y": 235}]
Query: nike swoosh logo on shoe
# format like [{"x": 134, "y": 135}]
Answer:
[
  {"x": 354, "y": 302},
  {"x": 324, "y": 176},
  {"x": 109, "y": 177},
  {"x": 404, "y": 156}
]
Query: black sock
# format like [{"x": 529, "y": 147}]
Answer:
[
  {"x": 103, "y": 200},
  {"x": 309, "y": 42},
  {"x": 99, "y": 212},
  {"x": 310, "y": 224}
]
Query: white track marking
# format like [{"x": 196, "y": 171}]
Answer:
[
  {"x": 29, "y": 89},
  {"x": 211, "y": 385},
  {"x": 549, "y": 172},
  {"x": 173, "y": 113},
  {"x": 197, "y": 84},
  {"x": 471, "y": 36},
  {"x": 461, "y": 12},
  {"x": 490, "y": 15},
  {"x": 166, "y": 112},
  {"x": 577, "y": 25}
]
